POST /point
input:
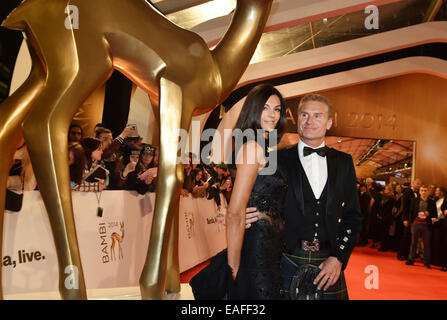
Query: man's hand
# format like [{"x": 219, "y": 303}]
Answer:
[
  {"x": 422, "y": 215},
  {"x": 251, "y": 216},
  {"x": 329, "y": 274}
]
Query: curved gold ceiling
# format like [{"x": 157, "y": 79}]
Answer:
[{"x": 342, "y": 23}]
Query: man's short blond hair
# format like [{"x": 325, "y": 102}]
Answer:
[
  {"x": 316, "y": 97},
  {"x": 99, "y": 131}
]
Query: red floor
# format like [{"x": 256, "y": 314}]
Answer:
[
  {"x": 395, "y": 281},
  {"x": 186, "y": 276}
]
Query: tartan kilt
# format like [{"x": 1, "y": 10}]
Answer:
[{"x": 338, "y": 291}]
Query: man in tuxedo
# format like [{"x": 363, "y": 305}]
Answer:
[{"x": 322, "y": 216}]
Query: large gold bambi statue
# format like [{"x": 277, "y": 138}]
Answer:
[{"x": 71, "y": 60}]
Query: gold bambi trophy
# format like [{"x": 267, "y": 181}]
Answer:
[{"x": 71, "y": 60}]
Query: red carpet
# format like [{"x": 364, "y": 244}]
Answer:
[
  {"x": 396, "y": 281},
  {"x": 186, "y": 276}
]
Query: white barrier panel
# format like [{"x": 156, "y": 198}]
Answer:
[{"x": 112, "y": 247}]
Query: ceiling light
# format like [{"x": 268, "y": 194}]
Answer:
[{"x": 195, "y": 15}]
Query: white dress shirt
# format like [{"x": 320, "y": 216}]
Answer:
[{"x": 315, "y": 167}]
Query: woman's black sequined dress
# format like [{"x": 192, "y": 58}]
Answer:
[{"x": 259, "y": 274}]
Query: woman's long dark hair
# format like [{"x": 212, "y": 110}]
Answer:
[
  {"x": 90, "y": 144},
  {"x": 78, "y": 166},
  {"x": 250, "y": 116},
  {"x": 194, "y": 174},
  {"x": 140, "y": 167}
]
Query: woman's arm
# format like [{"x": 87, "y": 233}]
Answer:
[{"x": 247, "y": 171}]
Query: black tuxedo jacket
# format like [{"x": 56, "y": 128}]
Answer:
[{"x": 343, "y": 217}]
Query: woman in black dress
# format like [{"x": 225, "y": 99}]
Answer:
[
  {"x": 254, "y": 254},
  {"x": 385, "y": 217},
  {"x": 397, "y": 214}
]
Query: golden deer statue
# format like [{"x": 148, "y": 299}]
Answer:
[
  {"x": 174, "y": 66},
  {"x": 116, "y": 238}
]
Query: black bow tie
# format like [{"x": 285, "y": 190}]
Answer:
[{"x": 320, "y": 151}]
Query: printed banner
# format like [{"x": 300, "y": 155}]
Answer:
[
  {"x": 202, "y": 230},
  {"x": 112, "y": 247}
]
